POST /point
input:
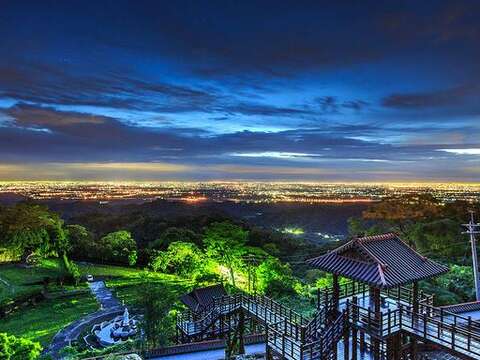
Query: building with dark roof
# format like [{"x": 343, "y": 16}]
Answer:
[
  {"x": 382, "y": 261},
  {"x": 200, "y": 298}
]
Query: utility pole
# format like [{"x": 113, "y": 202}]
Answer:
[{"x": 472, "y": 229}]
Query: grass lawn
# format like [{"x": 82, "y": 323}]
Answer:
[
  {"x": 42, "y": 321},
  {"x": 125, "y": 281},
  {"x": 16, "y": 280},
  {"x": 127, "y": 290}
]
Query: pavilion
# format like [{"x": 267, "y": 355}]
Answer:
[{"x": 382, "y": 262}]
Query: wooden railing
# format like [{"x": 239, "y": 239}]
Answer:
[
  {"x": 316, "y": 324},
  {"x": 292, "y": 335},
  {"x": 266, "y": 310},
  {"x": 323, "y": 347},
  {"x": 278, "y": 339},
  {"x": 433, "y": 324},
  {"x": 353, "y": 288}
]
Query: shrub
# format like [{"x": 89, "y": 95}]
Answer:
[{"x": 18, "y": 348}]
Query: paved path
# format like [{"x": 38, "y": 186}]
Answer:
[
  {"x": 211, "y": 354},
  {"x": 104, "y": 295},
  {"x": 110, "y": 306}
]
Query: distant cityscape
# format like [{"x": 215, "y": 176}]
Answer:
[{"x": 251, "y": 192}]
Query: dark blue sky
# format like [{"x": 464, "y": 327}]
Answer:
[{"x": 240, "y": 90}]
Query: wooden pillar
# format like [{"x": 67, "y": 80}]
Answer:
[
  {"x": 390, "y": 347},
  {"x": 362, "y": 342},
  {"x": 354, "y": 316},
  {"x": 415, "y": 310},
  {"x": 416, "y": 299},
  {"x": 336, "y": 293},
  {"x": 241, "y": 332},
  {"x": 394, "y": 347},
  {"x": 377, "y": 314},
  {"x": 354, "y": 343},
  {"x": 346, "y": 343},
  {"x": 268, "y": 353}
]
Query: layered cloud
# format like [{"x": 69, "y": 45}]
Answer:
[{"x": 297, "y": 90}]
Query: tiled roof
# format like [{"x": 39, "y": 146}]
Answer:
[
  {"x": 200, "y": 298},
  {"x": 463, "y": 307},
  {"x": 383, "y": 261}
]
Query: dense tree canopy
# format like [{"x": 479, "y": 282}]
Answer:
[
  {"x": 17, "y": 348},
  {"x": 157, "y": 320},
  {"x": 118, "y": 246},
  {"x": 81, "y": 240},
  {"x": 27, "y": 228},
  {"x": 175, "y": 234},
  {"x": 181, "y": 258},
  {"x": 225, "y": 242},
  {"x": 404, "y": 210}
]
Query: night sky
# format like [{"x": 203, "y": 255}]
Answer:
[{"x": 204, "y": 90}]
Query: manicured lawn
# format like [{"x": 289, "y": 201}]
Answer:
[
  {"x": 127, "y": 290},
  {"x": 42, "y": 321},
  {"x": 125, "y": 282},
  {"x": 109, "y": 271},
  {"x": 17, "y": 280}
]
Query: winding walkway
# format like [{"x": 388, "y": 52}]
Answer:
[{"x": 109, "y": 306}]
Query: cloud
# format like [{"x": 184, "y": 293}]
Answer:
[
  {"x": 328, "y": 104},
  {"x": 439, "y": 98},
  {"x": 92, "y": 171},
  {"x": 264, "y": 110},
  {"x": 472, "y": 151},
  {"x": 355, "y": 104},
  {"x": 45, "y": 83}
]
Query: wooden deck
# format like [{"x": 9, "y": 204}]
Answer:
[{"x": 295, "y": 338}]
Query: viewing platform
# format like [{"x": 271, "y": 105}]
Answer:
[{"x": 379, "y": 313}]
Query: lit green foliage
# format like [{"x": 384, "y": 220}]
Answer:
[
  {"x": 18, "y": 348},
  {"x": 71, "y": 269},
  {"x": 27, "y": 228},
  {"x": 118, "y": 246},
  {"x": 181, "y": 258},
  {"x": 157, "y": 320},
  {"x": 455, "y": 286},
  {"x": 274, "y": 278},
  {"x": 225, "y": 243}
]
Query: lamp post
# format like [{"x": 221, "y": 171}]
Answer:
[{"x": 472, "y": 229}]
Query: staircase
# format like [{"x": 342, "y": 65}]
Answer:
[{"x": 291, "y": 335}]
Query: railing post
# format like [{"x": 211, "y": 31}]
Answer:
[
  {"x": 425, "y": 325},
  {"x": 453, "y": 330},
  {"x": 302, "y": 334},
  {"x": 400, "y": 308},
  {"x": 389, "y": 319}
]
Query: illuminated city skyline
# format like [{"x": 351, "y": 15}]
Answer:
[
  {"x": 254, "y": 192},
  {"x": 295, "y": 91}
]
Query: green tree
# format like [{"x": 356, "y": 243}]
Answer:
[
  {"x": 274, "y": 278},
  {"x": 175, "y": 234},
  {"x": 28, "y": 228},
  {"x": 158, "y": 321},
  {"x": 18, "y": 348},
  {"x": 119, "y": 246},
  {"x": 403, "y": 211},
  {"x": 441, "y": 238},
  {"x": 181, "y": 258},
  {"x": 225, "y": 242},
  {"x": 81, "y": 241}
]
